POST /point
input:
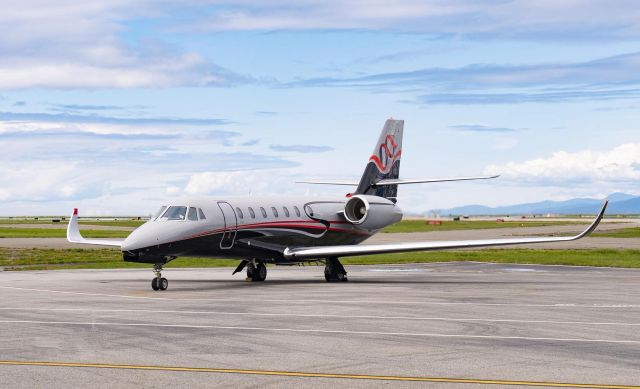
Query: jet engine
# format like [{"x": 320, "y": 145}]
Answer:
[{"x": 371, "y": 212}]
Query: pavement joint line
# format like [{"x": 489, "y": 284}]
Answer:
[
  {"x": 271, "y": 314},
  {"x": 319, "y": 375},
  {"x": 557, "y": 305},
  {"x": 319, "y": 331}
]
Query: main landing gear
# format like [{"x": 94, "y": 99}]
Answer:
[
  {"x": 159, "y": 282},
  {"x": 334, "y": 271},
  {"x": 256, "y": 271}
]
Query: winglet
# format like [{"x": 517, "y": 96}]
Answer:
[
  {"x": 73, "y": 230},
  {"x": 595, "y": 223},
  {"x": 74, "y": 236}
]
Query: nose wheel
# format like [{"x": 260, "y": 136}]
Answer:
[{"x": 159, "y": 282}]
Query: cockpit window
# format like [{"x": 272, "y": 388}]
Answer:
[
  {"x": 175, "y": 213},
  {"x": 193, "y": 214},
  {"x": 158, "y": 212},
  {"x": 201, "y": 214}
]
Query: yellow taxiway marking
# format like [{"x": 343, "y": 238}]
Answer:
[{"x": 321, "y": 375}]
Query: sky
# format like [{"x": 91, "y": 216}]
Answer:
[{"x": 118, "y": 106}]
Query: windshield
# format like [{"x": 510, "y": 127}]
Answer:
[
  {"x": 158, "y": 212},
  {"x": 175, "y": 213}
]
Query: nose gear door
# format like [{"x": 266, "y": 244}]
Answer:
[{"x": 230, "y": 225}]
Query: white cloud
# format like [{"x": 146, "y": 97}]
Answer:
[
  {"x": 68, "y": 44},
  {"x": 562, "y": 19},
  {"x": 562, "y": 168},
  {"x": 42, "y": 181},
  {"x": 237, "y": 183}
]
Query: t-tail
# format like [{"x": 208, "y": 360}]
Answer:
[
  {"x": 381, "y": 176},
  {"x": 384, "y": 162}
]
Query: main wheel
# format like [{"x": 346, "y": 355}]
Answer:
[
  {"x": 327, "y": 275},
  {"x": 154, "y": 284},
  {"x": 164, "y": 284},
  {"x": 251, "y": 272},
  {"x": 260, "y": 273}
]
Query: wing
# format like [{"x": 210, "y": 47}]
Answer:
[
  {"x": 303, "y": 253},
  {"x": 73, "y": 234}
]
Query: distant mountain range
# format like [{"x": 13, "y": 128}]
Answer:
[{"x": 619, "y": 203}]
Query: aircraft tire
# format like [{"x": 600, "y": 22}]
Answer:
[
  {"x": 154, "y": 284},
  {"x": 261, "y": 272},
  {"x": 163, "y": 284}
]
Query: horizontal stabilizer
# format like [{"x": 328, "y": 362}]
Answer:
[
  {"x": 74, "y": 236},
  {"x": 306, "y": 253},
  {"x": 348, "y": 183},
  {"x": 398, "y": 181},
  {"x": 431, "y": 180}
]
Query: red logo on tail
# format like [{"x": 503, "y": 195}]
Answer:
[{"x": 388, "y": 153}]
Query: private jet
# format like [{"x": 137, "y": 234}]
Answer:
[{"x": 292, "y": 230}]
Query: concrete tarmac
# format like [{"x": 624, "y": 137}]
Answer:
[{"x": 490, "y": 324}]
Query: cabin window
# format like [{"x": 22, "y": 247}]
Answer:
[
  {"x": 253, "y": 214},
  {"x": 175, "y": 213},
  {"x": 297, "y": 211},
  {"x": 158, "y": 212},
  {"x": 286, "y": 211},
  {"x": 308, "y": 210},
  {"x": 201, "y": 214},
  {"x": 264, "y": 213},
  {"x": 239, "y": 211},
  {"x": 275, "y": 211},
  {"x": 193, "y": 214}
]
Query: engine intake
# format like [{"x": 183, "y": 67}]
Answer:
[
  {"x": 356, "y": 210},
  {"x": 371, "y": 212}
]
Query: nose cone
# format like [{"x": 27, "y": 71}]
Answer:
[{"x": 140, "y": 238}]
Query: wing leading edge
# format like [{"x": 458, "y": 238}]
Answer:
[
  {"x": 303, "y": 253},
  {"x": 74, "y": 236}
]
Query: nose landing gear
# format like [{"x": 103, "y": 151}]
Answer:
[{"x": 159, "y": 282}]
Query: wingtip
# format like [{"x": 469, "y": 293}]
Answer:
[{"x": 75, "y": 212}]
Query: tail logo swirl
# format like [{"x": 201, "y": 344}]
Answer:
[{"x": 388, "y": 153}]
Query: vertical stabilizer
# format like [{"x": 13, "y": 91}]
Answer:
[{"x": 384, "y": 162}]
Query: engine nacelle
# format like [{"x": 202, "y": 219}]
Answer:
[{"x": 371, "y": 212}]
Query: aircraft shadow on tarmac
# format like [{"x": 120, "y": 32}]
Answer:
[{"x": 204, "y": 285}]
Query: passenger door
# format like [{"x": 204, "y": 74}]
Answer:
[{"x": 230, "y": 225}]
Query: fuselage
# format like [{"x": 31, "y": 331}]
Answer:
[{"x": 245, "y": 228}]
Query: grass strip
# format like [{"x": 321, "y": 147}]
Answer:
[
  {"x": 114, "y": 223},
  {"x": 623, "y": 233},
  {"x": 10, "y": 232}
]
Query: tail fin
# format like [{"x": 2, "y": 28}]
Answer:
[{"x": 384, "y": 162}]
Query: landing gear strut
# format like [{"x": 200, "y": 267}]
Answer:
[
  {"x": 334, "y": 271},
  {"x": 256, "y": 271},
  {"x": 159, "y": 282}
]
